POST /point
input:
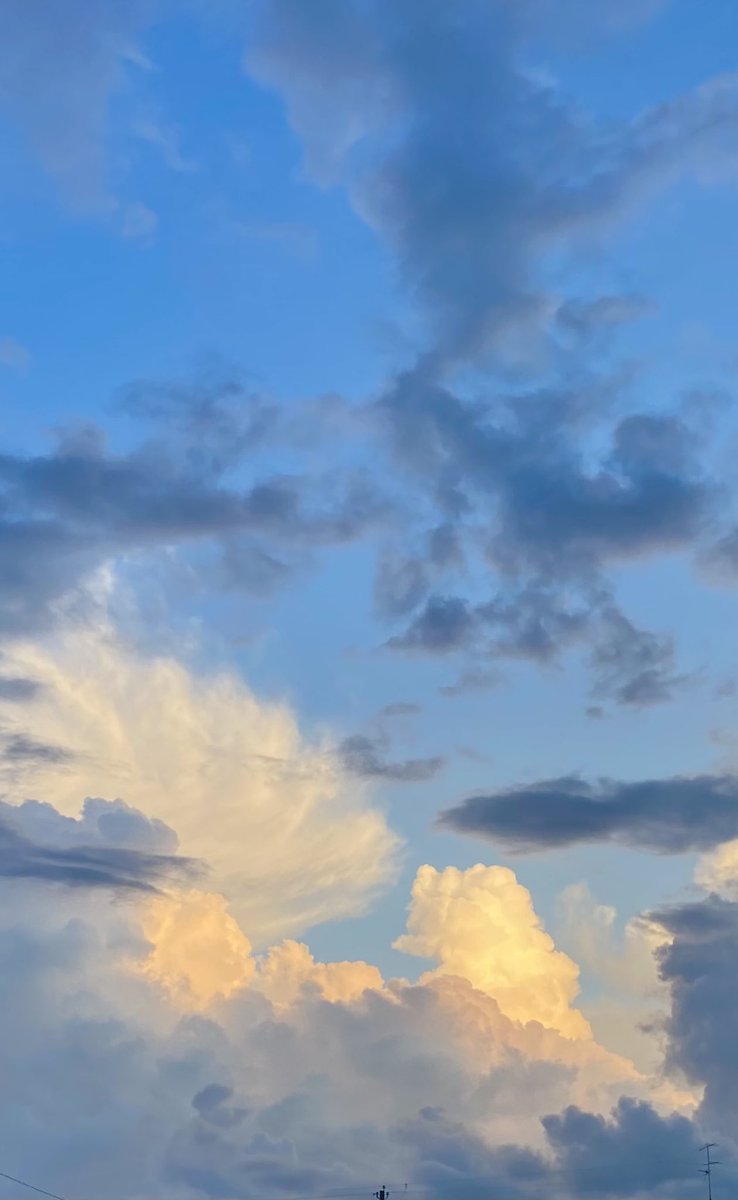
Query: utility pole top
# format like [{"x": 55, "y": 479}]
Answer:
[{"x": 711, "y": 1162}]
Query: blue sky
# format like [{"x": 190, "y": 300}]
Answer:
[{"x": 372, "y": 365}]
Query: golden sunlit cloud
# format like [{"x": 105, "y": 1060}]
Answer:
[
  {"x": 198, "y": 952},
  {"x": 480, "y": 924}
]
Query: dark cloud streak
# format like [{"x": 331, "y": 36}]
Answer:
[
  {"x": 37, "y": 843},
  {"x": 363, "y": 756},
  {"x": 665, "y": 816}
]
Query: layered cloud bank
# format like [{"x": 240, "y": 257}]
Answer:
[
  {"x": 189, "y": 1052},
  {"x": 186, "y": 1066},
  {"x": 181, "y": 1063},
  {"x": 157, "y": 989}
]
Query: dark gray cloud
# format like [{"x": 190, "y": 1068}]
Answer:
[
  {"x": 552, "y": 511},
  {"x": 665, "y": 816},
  {"x": 109, "y": 846},
  {"x": 213, "y": 418},
  {"x": 446, "y": 624},
  {"x": 633, "y": 667},
  {"x": 534, "y": 623},
  {"x": 379, "y": 92},
  {"x": 474, "y": 680},
  {"x": 554, "y": 522},
  {"x": 366, "y": 757},
  {"x": 21, "y": 748},
  {"x": 63, "y": 513},
  {"x": 585, "y": 319},
  {"x": 635, "y": 1152},
  {"x": 17, "y": 689},
  {"x": 400, "y": 708},
  {"x": 700, "y": 965}
]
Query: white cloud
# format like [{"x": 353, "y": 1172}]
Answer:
[{"x": 626, "y": 999}]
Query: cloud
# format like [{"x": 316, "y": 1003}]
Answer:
[
  {"x": 584, "y": 319},
  {"x": 20, "y": 748},
  {"x": 633, "y": 666},
  {"x": 362, "y": 756},
  {"x": 625, "y": 998},
  {"x": 289, "y": 969},
  {"x": 287, "y": 837},
  {"x": 717, "y": 871},
  {"x": 665, "y": 816},
  {"x": 138, "y": 222},
  {"x": 698, "y": 963},
  {"x": 17, "y": 689},
  {"x": 636, "y": 1152},
  {"x": 183, "y": 1064},
  {"x": 198, "y": 951},
  {"x": 193, "y": 485},
  {"x": 545, "y": 489},
  {"x": 400, "y": 708},
  {"x": 474, "y": 680},
  {"x": 109, "y": 846},
  {"x": 558, "y": 514},
  {"x": 480, "y": 924},
  {"x": 378, "y": 95},
  {"x": 555, "y": 518},
  {"x": 14, "y": 354},
  {"x": 59, "y": 76}
]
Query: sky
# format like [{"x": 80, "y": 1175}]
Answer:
[{"x": 368, "y": 567}]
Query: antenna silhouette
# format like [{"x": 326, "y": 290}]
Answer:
[{"x": 711, "y": 1162}]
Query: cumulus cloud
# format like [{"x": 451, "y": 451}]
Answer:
[
  {"x": 285, "y": 835},
  {"x": 480, "y": 924},
  {"x": 198, "y": 951},
  {"x": 289, "y": 969},
  {"x": 184, "y": 1065},
  {"x": 665, "y": 816},
  {"x": 636, "y": 1152}
]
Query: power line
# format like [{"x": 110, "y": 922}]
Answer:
[
  {"x": 459, "y": 1191},
  {"x": 31, "y": 1186}
]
